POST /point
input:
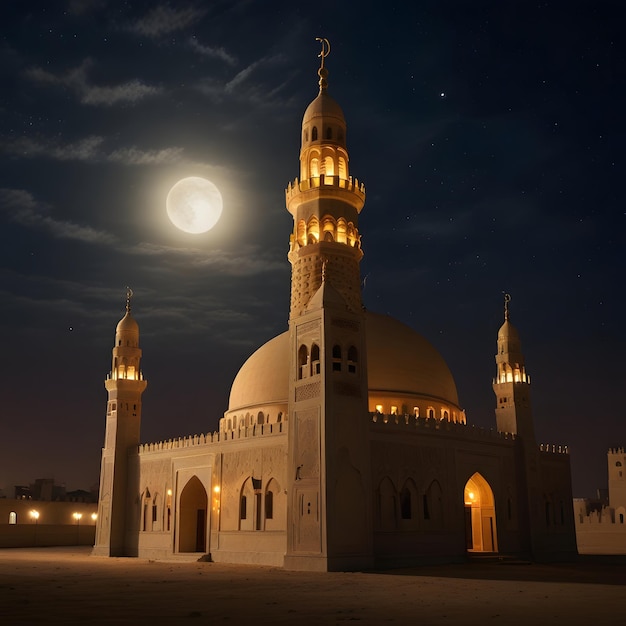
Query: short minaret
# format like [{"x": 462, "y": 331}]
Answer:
[
  {"x": 329, "y": 518},
  {"x": 616, "y": 460},
  {"x": 125, "y": 385},
  {"x": 512, "y": 383}
]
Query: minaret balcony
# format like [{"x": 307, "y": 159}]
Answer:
[{"x": 346, "y": 189}]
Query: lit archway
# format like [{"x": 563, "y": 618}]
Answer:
[
  {"x": 193, "y": 517},
  {"x": 480, "y": 516}
]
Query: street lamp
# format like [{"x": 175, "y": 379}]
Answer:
[
  {"x": 94, "y": 517},
  {"x": 77, "y": 517}
]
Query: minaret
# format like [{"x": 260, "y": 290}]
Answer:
[
  {"x": 329, "y": 497},
  {"x": 512, "y": 383},
  {"x": 124, "y": 385}
]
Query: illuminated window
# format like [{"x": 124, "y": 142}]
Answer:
[
  {"x": 329, "y": 166},
  {"x": 12, "y": 517},
  {"x": 343, "y": 174},
  {"x": 416, "y": 411},
  {"x": 445, "y": 415},
  {"x": 431, "y": 413},
  {"x": 379, "y": 408},
  {"x": 394, "y": 410},
  {"x": 315, "y": 167}
]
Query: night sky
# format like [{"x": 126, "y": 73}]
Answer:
[{"x": 490, "y": 137}]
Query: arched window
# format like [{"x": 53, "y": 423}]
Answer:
[
  {"x": 303, "y": 361},
  {"x": 314, "y": 168},
  {"x": 260, "y": 418},
  {"x": 445, "y": 415},
  {"x": 431, "y": 413},
  {"x": 433, "y": 503},
  {"x": 314, "y": 133},
  {"x": 353, "y": 357},
  {"x": 329, "y": 133},
  {"x": 305, "y": 136},
  {"x": 12, "y": 517},
  {"x": 405, "y": 503},
  {"x": 280, "y": 417},
  {"x": 269, "y": 505},
  {"x": 618, "y": 464},
  {"x": 342, "y": 169},
  {"x": 336, "y": 358},
  {"x": 329, "y": 166},
  {"x": 315, "y": 359}
]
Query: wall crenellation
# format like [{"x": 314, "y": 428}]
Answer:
[
  {"x": 553, "y": 448},
  {"x": 256, "y": 430}
]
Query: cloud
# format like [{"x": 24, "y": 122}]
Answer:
[
  {"x": 164, "y": 19},
  {"x": 91, "y": 150},
  {"x": 213, "y": 53},
  {"x": 76, "y": 79},
  {"x": 246, "y": 87},
  {"x": 22, "y": 208}
]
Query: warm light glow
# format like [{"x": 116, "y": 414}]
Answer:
[
  {"x": 94, "y": 516},
  {"x": 194, "y": 205},
  {"x": 34, "y": 514},
  {"x": 379, "y": 408},
  {"x": 394, "y": 410},
  {"x": 216, "y": 489},
  {"x": 169, "y": 492},
  {"x": 77, "y": 516},
  {"x": 470, "y": 495}
]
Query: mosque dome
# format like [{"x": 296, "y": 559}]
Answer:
[
  {"x": 401, "y": 364},
  {"x": 127, "y": 324},
  {"x": 323, "y": 107},
  {"x": 508, "y": 331}
]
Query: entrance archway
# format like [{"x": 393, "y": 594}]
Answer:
[
  {"x": 192, "y": 519},
  {"x": 480, "y": 516}
]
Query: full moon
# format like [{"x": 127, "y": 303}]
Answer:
[{"x": 194, "y": 205}]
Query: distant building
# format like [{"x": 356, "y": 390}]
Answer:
[
  {"x": 601, "y": 523},
  {"x": 344, "y": 445}
]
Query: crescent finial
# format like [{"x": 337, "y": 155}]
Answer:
[
  {"x": 129, "y": 295},
  {"x": 507, "y": 299},
  {"x": 323, "y": 72}
]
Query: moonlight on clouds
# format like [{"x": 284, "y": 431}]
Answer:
[{"x": 194, "y": 205}]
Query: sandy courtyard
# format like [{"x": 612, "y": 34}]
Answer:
[{"x": 67, "y": 586}]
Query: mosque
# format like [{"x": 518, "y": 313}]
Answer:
[{"x": 344, "y": 446}]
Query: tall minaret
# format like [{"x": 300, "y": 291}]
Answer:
[
  {"x": 329, "y": 498},
  {"x": 124, "y": 385},
  {"x": 512, "y": 384}
]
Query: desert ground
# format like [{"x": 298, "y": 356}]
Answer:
[{"x": 68, "y": 586}]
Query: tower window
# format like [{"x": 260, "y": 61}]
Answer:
[
  {"x": 315, "y": 359},
  {"x": 336, "y": 358},
  {"x": 306, "y": 136},
  {"x": 314, "y": 133},
  {"x": 352, "y": 359},
  {"x": 303, "y": 360},
  {"x": 243, "y": 508},
  {"x": 329, "y": 133}
]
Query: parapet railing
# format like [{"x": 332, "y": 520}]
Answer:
[
  {"x": 443, "y": 426},
  {"x": 256, "y": 430}
]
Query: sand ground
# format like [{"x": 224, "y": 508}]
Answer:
[{"x": 67, "y": 586}]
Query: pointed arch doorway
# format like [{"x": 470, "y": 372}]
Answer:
[
  {"x": 480, "y": 516},
  {"x": 193, "y": 517}
]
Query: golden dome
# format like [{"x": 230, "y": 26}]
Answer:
[{"x": 401, "y": 364}]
